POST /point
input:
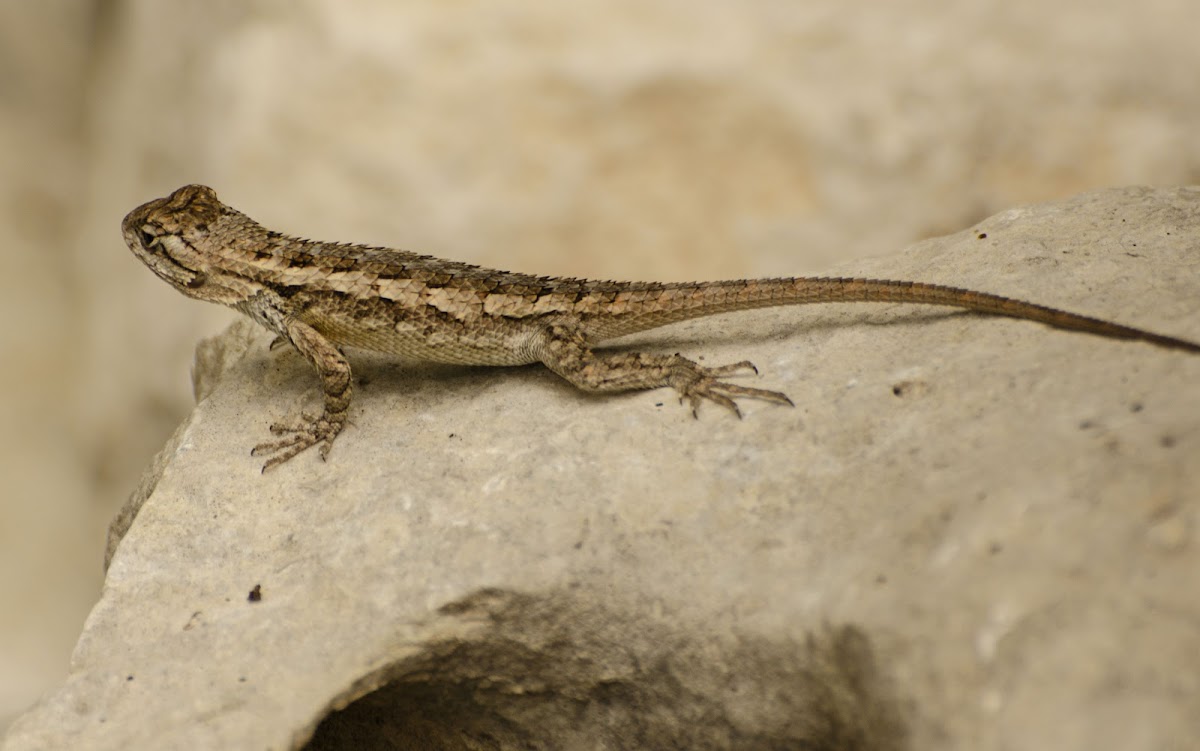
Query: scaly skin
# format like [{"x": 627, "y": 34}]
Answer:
[{"x": 322, "y": 296}]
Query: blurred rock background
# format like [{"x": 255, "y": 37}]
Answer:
[{"x": 656, "y": 139}]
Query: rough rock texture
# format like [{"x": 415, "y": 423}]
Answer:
[
  {"x": 969, "y": 533},
  {"x": 659, "y": 139}
]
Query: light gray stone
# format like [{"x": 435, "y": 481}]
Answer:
[
  {"x": 969, "y": 532},
  {"x": 649, "y": 138}
]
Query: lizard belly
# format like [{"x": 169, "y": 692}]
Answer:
[{"x": 499, "y": 342}]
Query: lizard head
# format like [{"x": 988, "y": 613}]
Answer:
[{"x": 167, "y": 234}]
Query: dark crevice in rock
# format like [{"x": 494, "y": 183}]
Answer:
[{"x": 558, "y": 672}]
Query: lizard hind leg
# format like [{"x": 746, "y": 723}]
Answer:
[{"x": 565, "y": 351}]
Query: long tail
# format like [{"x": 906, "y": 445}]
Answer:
[{"x": 659, "y": 304}]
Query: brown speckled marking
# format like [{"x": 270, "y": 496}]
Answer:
[{"x": 320, "y": 296}]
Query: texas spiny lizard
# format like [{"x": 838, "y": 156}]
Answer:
[{"x": 322, "y": 296}]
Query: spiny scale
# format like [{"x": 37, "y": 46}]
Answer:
[{"x": 319, "y": 296}]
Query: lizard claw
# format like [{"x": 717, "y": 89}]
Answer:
[
  {"x": 696, "y": 383},
  {"x": 734, "y": 369},
  {"x": 298, "y": 436}
]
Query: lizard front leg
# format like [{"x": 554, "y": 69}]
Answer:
[
  {"x": 564, "y": 349},
  {"x": 309, "y": 430}
]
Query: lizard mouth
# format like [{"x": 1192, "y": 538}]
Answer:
[{"x": 150, "y": 247}]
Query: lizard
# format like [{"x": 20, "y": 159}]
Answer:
[{"x": 321, "y": 297}]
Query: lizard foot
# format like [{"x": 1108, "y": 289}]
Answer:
[
  {"x": 696, "y": 382},
  {"x": 299, "y": 435}
]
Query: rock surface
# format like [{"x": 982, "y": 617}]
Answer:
[
  {"x": 656, "y": 139},
  {"x": 969, "y": 533}
]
